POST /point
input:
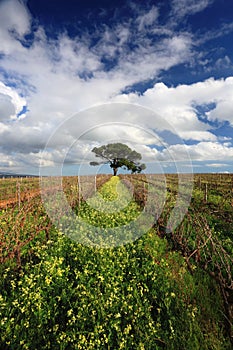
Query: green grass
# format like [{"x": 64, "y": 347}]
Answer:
[{"x": 140, "y": 295}]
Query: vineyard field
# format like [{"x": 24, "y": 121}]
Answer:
[{"x": 146, "y": 262}]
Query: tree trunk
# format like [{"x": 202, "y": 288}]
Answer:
[{"x": 115, "y": 171}]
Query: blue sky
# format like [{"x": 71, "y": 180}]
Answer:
[{"x": 157, "y": 75}]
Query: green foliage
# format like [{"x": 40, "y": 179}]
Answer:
[
  {"x": 132, "y": 297},
  {"x": 119, "y": 155},
  {"x": 112, "y": 206},
  {"x": 138, "y": 296}
]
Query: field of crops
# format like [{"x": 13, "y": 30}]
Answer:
[{"x": 145, "y": 263}]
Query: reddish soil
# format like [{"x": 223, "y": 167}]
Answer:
[{"x": 23, "y": 197}]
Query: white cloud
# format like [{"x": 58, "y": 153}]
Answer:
[
  {"x": 182, "y": 8},
  {"x": 123, "y": 131},
  {"x": 216, "y": 165},
  {"x": 224, "y": 29},
  {"x": 15, "y": 22},
  {"x": 147, "y": 19},
  {"x": 177, "y": 105},
  {"x": 224, "y": 102},
  {"x": 11, "y": 104},
  {"x": 6, "y": 107},
  {"x": 74, "y": 58},
  {"x": 60, "y": 77},
  {"x": 6, "y": 161},
  {"x": 200, "y": 152},
  {"x": 223, "y": 63}
]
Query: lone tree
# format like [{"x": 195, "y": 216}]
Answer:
[{"x": 119, "y": 155}]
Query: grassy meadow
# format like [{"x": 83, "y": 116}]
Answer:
[{"x": 161, "y": 289}]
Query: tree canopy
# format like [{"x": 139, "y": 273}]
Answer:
[{"x": 119, "y": 155}]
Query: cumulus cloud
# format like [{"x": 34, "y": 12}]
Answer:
[
  {"x": 77, "y": 60},
  {"x": 11, "y": 104},
  {"x": 200, "y": 152},
  {"x": 6, "y": 107},
  {"x": 57, "y": 77},
  {"x": 178, "y": 106},
  {"x": 15, "y": 22}
]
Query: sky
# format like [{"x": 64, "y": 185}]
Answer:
[{"x": 156, "y": 75}]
